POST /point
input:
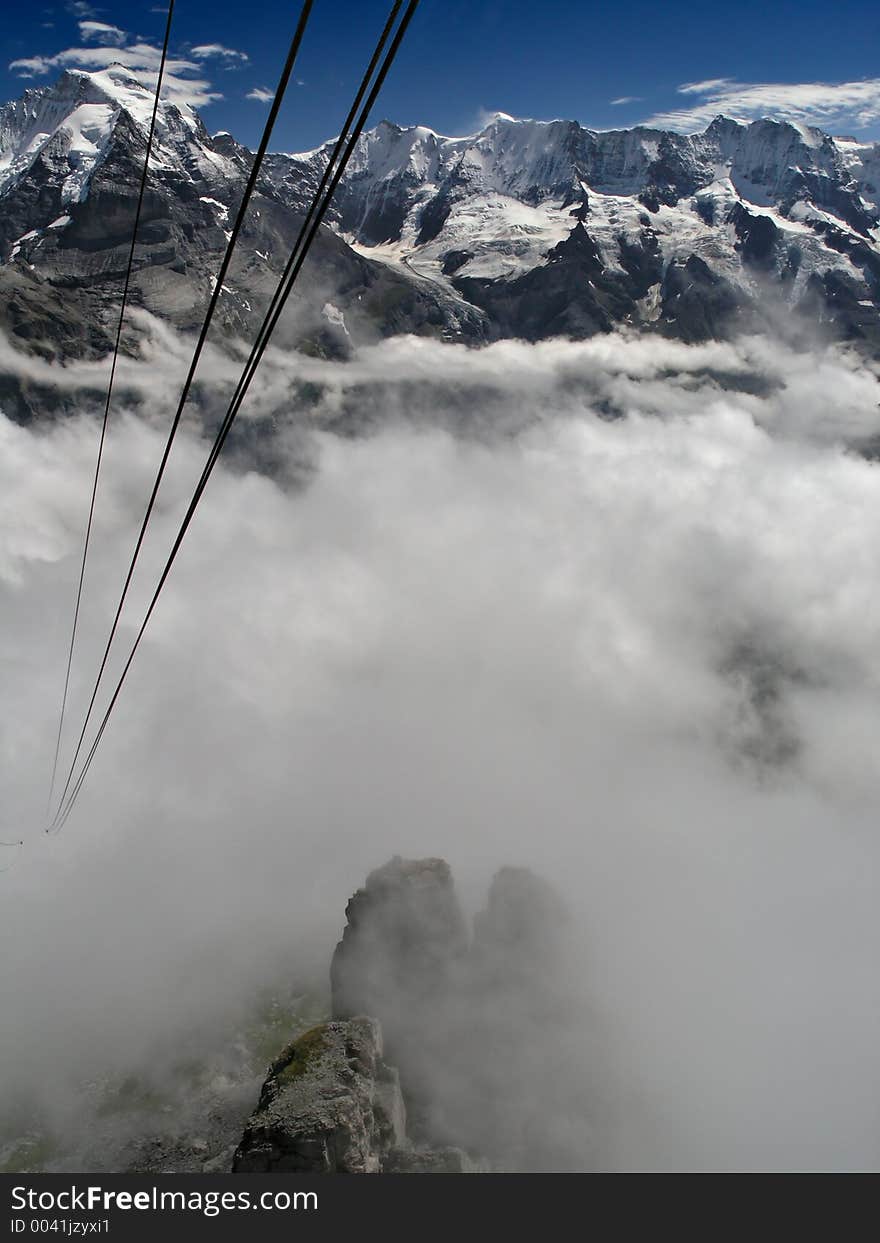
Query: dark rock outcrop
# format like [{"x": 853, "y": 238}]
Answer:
[
  {"x": 404, "y": 937},
  {"x": 330, "y": 1105},
  {"x": 400, "y": 959},
  {"x": 572, "y": 294},
  {"x": 697, "y": 304}
]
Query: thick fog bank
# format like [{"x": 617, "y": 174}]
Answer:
[{"x": 610, "y": 611}]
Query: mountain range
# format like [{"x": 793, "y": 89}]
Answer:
[{"x": 526, "y": 229}]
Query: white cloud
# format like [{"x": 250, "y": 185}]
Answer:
[
  {"x": 827, "y": 105},
  {"x": 101, "y": 32},
  {"x": 183, "y": 82},
  {"x": 552, "y": 639},
  {"x": 31, "y": 66},
  {"x": 208, "y": 51},
  {"x": 261, "y": 94},
  {"x": 705, "y": 87},
  {"x": 625, "y": 99}
]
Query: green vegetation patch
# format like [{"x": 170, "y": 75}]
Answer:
[{"x": 298, "y": 1056}]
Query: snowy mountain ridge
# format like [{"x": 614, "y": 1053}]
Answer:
[
  {"x": 422, "y": 190},
  {"x": 526, "y": 228}
]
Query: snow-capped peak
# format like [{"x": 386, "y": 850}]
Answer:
[{"x": 74, "y": 121}]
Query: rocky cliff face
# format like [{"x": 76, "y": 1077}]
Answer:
[
  {"x": 332, "y": 1105},
  {"x": 476, "y": 1069}
]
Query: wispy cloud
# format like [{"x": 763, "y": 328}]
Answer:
[
  {"x": 705, "y": 87},
  {"x": 103, "y": 33},
  {"x": 827, "y": 105},
  {"x": 216, "y": 51},
  {"x": 261, "y": 94},
  {"x": 625, "y": 99},
  {"x": 30, "y": 66}
]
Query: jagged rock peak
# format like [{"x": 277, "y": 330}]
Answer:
[
  {"x": 479, "y": 1032},
  {"x": 404, "y": 933},
  {"x": 522, "y": 925}
]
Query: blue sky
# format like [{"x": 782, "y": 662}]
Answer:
[{"x": 676, "y": 64}]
